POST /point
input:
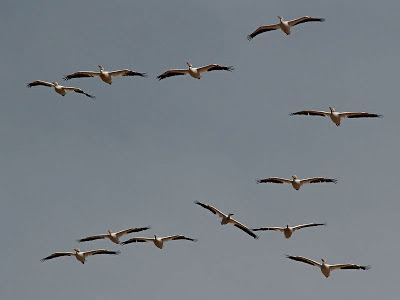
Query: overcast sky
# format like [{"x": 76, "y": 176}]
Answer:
[{"x": 143, "y": 151}]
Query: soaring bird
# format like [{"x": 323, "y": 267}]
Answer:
[
  {"x": 296, "y": 183},
  {"x": 106, "y": 76},
  {"x": 158, "y": 241},
  {"x": 113, "y": 236},
  {"x": 283, "y": 25},
  {"x": 227, "y": 219},
  {"x": 194, "y": 72},
  {"x": 336, "y": 116},
  {"x": 80, "y": 255},
  {"x": 62, "y": 90},
  {"x": 326, "y": 268},
  {"x": 288, "y": 230}
]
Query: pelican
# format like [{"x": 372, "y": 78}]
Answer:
[
  {"x": 227, "y": 219},
  {"x": 336, "y": 116},
  {"x": 113, "y": 236},
  {"x": 104, "y": 75},
  {"x": 288, "y": 230},
  {"x": 194, "y": 72},
  {"x": 326, "y": 268},
  {"x": 283, "y": 25},
  {"x": 62, "y": 90},
  {"x": 80, "y": 255},
  {"x": 158, "y": 241},
  {"x": 296, "y": 183}
]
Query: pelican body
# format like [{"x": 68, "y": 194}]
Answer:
[
  {"x": 80, "y": 255},
  {"x": 158, "y": 241},
  {"x": 61, "y": 90},
  {"x": 295, "y": 182},
  {"x": 288, "y": 230},
  {"x": 194, "y": 72}
]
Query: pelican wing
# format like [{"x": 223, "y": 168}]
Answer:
[
  {"x": 273, "y": 180},
  {"x": 131, "y": 230},
  {"x": 82, "y": 74},
  {"x": 76, "y": 90},
  {"x": 101, "y": 251},
  {"x": 170, "y": 73},
  {"x": 39, "y": 82},
  {"x": 210, "y": 208},
  {"x": 359, "y": 115},
  {"x": 177, "y": 237},
  {"x": 127, "y": 72},
  {"x": 58, "y": 254},
  {"x": 305, "y": 20},
  {"x": 311, "y": 113},
  {"x": 244, "y": 228},
  {"x": 138, "y": 240},
  {"x": 349, "y": 267},
  {"x": 262, "y": 29},
  {"x": 304, "y": 260},
  {"x": 214, "y": 67},
  {"x": 307, "y": 225},
  {"x": 94, "y": 237},
  {"x": 268, "y": 228},
  {"x": 318, "y": 180}
]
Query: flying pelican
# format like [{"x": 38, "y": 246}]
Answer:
[
  {"x": 283, "y": 25},
  {"x": 296, "y": 183},
  {"x": 104, "y": 75},
  {"x": 62, "y": 90},
  {"x": 194, "y": 72},
  {"x": 227, "y": 219},
  {"x": 336, "y": 116},
  {"x": 113, "y": 236},
  {"x": 158, "y": 241},
  {"x": 288, "y": 230},
  {"x": 325, "y": 268},
  {"x": 80, "y": 255}
]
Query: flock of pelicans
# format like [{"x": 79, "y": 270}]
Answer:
[{"x": 107, "y": 76}]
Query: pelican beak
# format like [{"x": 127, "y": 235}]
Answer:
[
  {"x": 77, "y": 250},
  {"x": 189, "y": 64}
]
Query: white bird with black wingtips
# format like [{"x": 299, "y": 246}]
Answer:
[
  {"x": 80, "y": 255},
  {"x": 295, "y": 182},
  {"x": 194, "y": 72}
]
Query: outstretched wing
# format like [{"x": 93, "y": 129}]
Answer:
[
  {"x": 131, "y": 230},
  {"x": 58, "y": 254},
  {"x": 268, "y": 228},
  {"x": 214, "y": 67},
  {"x": 127, "y": 72},
  {"x": 359, "y": 115},
  {"x": 304, "y": 260},
  {"x": 311, "y": 113},
  {"x": 211, "y": 208},
  {"x": 318, "y": 180},
  {"x": 307, "y": 225},
  {"x": 305, "y": 20},
  {"x": 101, "y": 251},
  {"x": 137, "y": 240},
  {"x": 349, "y": 267},
  {"x": 94, "y": 237},
  {"x": 177, "y": 237},
  {"x": 82, "y": 74},
  {"x": 171, "y": 73},
  {"x": 39, "y": 82},
  {"x": 262, "y": 29},
  {"x": 273, "y": 180},
  {"x": 76, "y": 90},
  {"x": 244, "y": 228}
]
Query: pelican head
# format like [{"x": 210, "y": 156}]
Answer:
[
  {"x": 155, "y": 236},
  {"x": 77, "y": 250},
  {"x": 331, "y": 108},
  {"x": 294, "y": 176},
  {"x": 323, "y": 260},
  {"x": 101, "y": 68},
  {"x": 55, "y": 83},
  {"x": 189, "y": 64},
  {"x": 230, "y": 214},
  {"x": 109, "y": 231},
  {"x": 287, "y": 225},
  {"x": 280, "y": 18}
]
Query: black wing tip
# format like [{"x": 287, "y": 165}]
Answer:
[
  {"x": 160, "y": 77},
  {"x": 116, "y": 252},
  {"x": 66, "y": 78},
  {"x": 43, "y": 259},
  {"x": 366, "y": 267},
  {"x": 194, "y": 240},
  {"x": 256, "y": 237},
  {"x": 322, "y": 19},
  {"x": 230, "y": 68},
  {"x": 80, "y": 241},
  {"x": 28, "y": 85},
  {"x": 334, "y": 180},
  {"x": 249, "y": 37},
  {"x": 258, "y": 180}
]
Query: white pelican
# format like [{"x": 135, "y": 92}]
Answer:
[
  {"x": 336, "y": 116},
  {"x": 104, "y": 75},
  {"x": 325, "y": 268},
  {"x": 62, "y": 90},
  {"x": 158, "y": 241},
  {"x": 113, "y": 236},
  {"x": 296, "y": 183},
  {"x": 288, "y": 230},
  {"x": 80, "y": 255},
  {"x": 283, "y": 25},
  {"x": 194, "y": 72},
  {"x": 227, "y": 219}
]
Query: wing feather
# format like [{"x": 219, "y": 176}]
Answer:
[
  {"x": 262, "y": 29},
  {"x": 82, "y": 74},
  {"x": 210, "y": 208},
  {"x": 311, "y": 113},
  {"x": 273, "y": 180},
  {"x": 58, "y": 254},
  {"x": 39, "y": 82},
  {"x": 171, "y": 73},
  {"x": 304, "y": 260},
  {"x": 304, "y": 20}
]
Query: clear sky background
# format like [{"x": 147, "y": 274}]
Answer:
[{"x": 143, "y": 151}]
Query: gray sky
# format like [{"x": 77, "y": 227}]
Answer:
[{"x": 143, "y": 151}]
